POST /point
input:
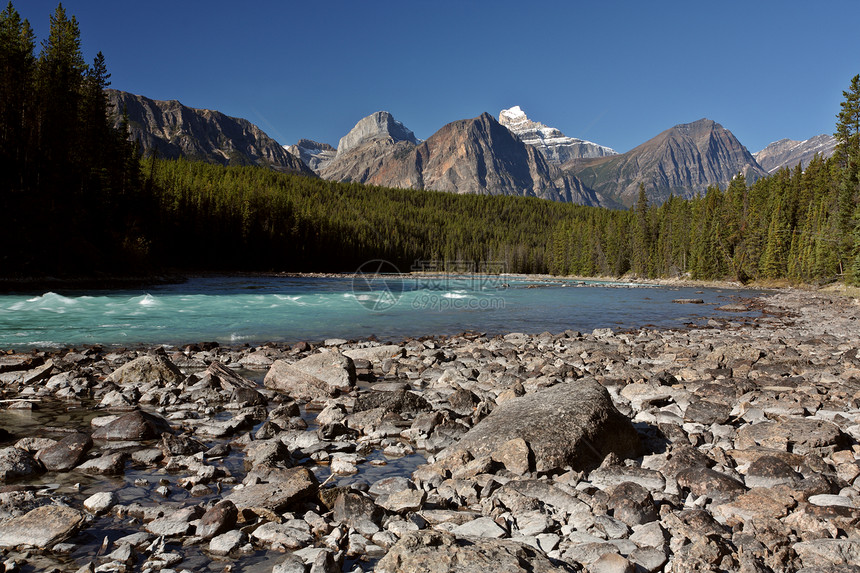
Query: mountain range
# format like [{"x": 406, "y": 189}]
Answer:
[
  {"x": 173, "y": 130},
  {"x": 509, "y": 156},
  {"x": 789, "y": 153}
]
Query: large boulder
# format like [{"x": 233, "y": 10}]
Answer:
[
  {"x": 573, "y": 424},
  {"x": 149, "y": 369},
  {"x": 134, "y": 426},
  {"x": 320, "y": 375},
  {"x": 441, "y": 552}
]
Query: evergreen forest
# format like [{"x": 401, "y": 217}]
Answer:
[{"x": 78, "y": 199}]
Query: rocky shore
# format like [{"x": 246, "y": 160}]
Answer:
[{"x": 731, "y": 445}]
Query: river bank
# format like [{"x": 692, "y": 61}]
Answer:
[{"x": 728, "y": 445}]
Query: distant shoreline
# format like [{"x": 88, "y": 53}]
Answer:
[{"x": 120, "y": 282}]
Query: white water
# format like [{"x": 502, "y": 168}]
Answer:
[{"x": 237, "y": 310}]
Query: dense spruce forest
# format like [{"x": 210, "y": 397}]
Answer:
[{"x": 77, "y": 200}]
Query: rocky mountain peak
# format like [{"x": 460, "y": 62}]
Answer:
[
  {"x": 314, "y": 154},
  {"x": 682, "y": 161},
  {"x": 375, "y": 126},
  {"x": 311, "y": 144},
  {"x": 555, "y": 146},
  {"x": 788, "y": 153}
]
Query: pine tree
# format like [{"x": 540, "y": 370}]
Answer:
[
  {"x": 61, "y": 70},
  {"x": 17, "y": 68},
  {"x": 848, "y": 154}
]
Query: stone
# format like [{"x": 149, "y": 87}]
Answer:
[
  {"x": 150, "y": 369},
  {"x": 168, "y": 527},
  {"x": 296, "y": 485},
  {"x": 375, "y": 354},
  {"x": 134, "y": 426},
  {"x": 438, "y": 551},
  {"x": 325, "y": 376},
  {"x": 481, "y": 527},
  {"x": 283, "y": 535},
  {"x": 218, "y": 519},
  {"x": 17, "y": 463},
  {"x": 245, "y": 397},
  {"x": 828, "y": 552},
  {"x": 399, "y": 401},
  {"x": 796, "y": 435},
  {"x": 389, "y": 485},
  {"x": 770, "y": 471},
  {"x": 227, "y": 543},
  {"x": 608, "y": 477},
  {"x": 100, "y": 502},
  {"x": 611, "y": 563},
  {"x": 713, "y": 484},
  {"x": 572, "y": 424},
  {"x": 755, "y": 504},
  {"x": 829, "y": 500},
  {"x": 290, "y": 564},
  {"x": 649, "y": 559},
  {"x": 649, "y": 535},
  {"x": 332, "y": 367},
  {"x": 267, "y": 453},
  {"x": 358, "y": 512},
  {"x": 180, "y": 445},
  {"x": 107, "y": 464},
  {"x": 403, "y": 501},
  {"x": 67, "y": 453},
  {"x": 707, "y": 412},
  {"x": 515, "y": 455},
  {"x": 41, "y": 527},
  {"x": 218, "y": 375}
]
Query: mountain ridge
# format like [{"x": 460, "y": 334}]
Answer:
[
  {"x": 788, "y": 153},
  {"x": 477, "y": 155},
  {"x": 682, "y": 161},
  {"x": 174, "y": 130}
]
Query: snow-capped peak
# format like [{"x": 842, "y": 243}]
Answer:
[
  {"x": 514, "y": 114},
  {"x": 556, "y": 146}
]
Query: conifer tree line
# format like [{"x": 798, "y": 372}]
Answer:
[
  {"x": 76, "y": 198},
  {"x": 68, "y": 179}
]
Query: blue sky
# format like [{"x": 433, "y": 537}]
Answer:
[{"x": 613, "y": 72}]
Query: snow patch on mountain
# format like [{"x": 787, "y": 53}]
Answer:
[{"x": 556, "y": 146}]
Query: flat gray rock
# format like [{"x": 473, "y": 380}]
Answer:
[
  {"x": 828, "y": 552},
  {"x": 228, "y": 542},
  {"x": 436, "y": 551},
  {"x": 298, "y": 483},
  {"x": 321, "y": 375},
  {"x": 41, "y": 527}
]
